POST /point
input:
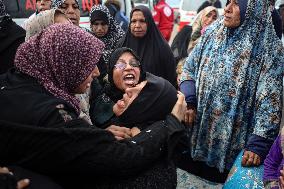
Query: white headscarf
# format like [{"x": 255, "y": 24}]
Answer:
[{"x": 39, "y": 22}]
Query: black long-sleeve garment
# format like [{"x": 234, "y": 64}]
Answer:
[
  {"x": 41, "y": 133},
  {"x": 75, "y": 149}
]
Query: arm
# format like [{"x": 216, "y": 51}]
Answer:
[
  {"x": 8, "y": 180},
  {"x": 271, "y": 164},
  {"x": 268, "y": 108},
  {"x": 85, "y": 151},
  {"x": 188, "y": 83},
  {"x": 156, "y": 16}
]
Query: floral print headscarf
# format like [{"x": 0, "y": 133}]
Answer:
[
  {"x": 59, "y": 58},
  {"x": 57, "y": 3},
  {"x": 238, "y": 74}
]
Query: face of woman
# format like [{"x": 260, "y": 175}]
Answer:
[
  {"x": 82, "y": 88},
  {"x": 138, "y": 25},
  {"x": 61, "y": 18},
  {"x": 71, "y": 9},
  {"x": 44, "y": 5},
  {"x": 100, "y": 28},
  {"x": 232, "y": 15},
  {"x": 209, "y": 18},
  {"x": 126, "y": 72}
]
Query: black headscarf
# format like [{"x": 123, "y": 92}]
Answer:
[
  {"x": 2, "y": 9},
  {"x": 154, "y": 103},
  {"x": 112, "y": 91},
  {"x": 11, "y": 36},
  {"x": 114, "y": 34},
  {"x": 277, "y": 23},
  {"x": 180, "y": 43},
  {"x": 155, "y": 53}
]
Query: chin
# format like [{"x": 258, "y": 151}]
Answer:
[{"x": 139, "y": 35}]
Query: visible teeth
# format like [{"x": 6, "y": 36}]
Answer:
[{"x": 130, "y": 76}]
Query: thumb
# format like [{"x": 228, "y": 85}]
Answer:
[
  {"x": 181, "y": 98},
  {"x": 23, "y": 183}
]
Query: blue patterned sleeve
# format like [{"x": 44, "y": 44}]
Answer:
[
  {"x": 191, "y": 64},
  {"x": 268, "y": 103}
]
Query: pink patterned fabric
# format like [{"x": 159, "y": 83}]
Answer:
[{"x": 60, "y": 57}]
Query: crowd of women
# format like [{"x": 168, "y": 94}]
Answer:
[{"x": 101, "y": 108}]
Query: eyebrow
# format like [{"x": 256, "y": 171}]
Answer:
[
  {"x": 121, "y": 60},
  {"x": 141, "y": 19},
  {"x": 125, "y": 60}
]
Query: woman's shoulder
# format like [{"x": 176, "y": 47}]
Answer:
[{"x": 25, "y": 101}]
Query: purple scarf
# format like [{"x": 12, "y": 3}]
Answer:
[{"x": 60, "y": 57}]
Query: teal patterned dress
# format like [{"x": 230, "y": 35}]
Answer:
[{"x": 238, "y": 74}]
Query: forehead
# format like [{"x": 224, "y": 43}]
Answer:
[
  {"x": 126, "y": 55},
  {"x": 213, "y": 12},
  {"x": 233, "y": 1},
  {"x": 138, "y": 15},
  {"x": 99, "y": 21}
]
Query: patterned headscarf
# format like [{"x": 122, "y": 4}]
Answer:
[
  {"x": 39, "y": 22},
  {"x": 197, "y": 25},
  {"x": 238, "y": 74},
  {"x": 57, "y": 3},
  {"x": 115, "y": 32},
  {"x": 59, "y": 58},
  {"x": 2, "y": 9}
]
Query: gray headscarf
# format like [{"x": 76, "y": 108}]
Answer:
[{"x": 57, "y": 3}]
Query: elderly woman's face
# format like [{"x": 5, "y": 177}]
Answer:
[
  {"x": 100, "y": 28},
  {"x": 126, "y": 72},
  {"x": 138, "y": 25},
  {"x": 71, "y": 9},
  {"x": 232, "y": 15},
  {"x": 44, "y": 5},
  {"x": 61, "y": 18},
  {"x": 209, "y": 18}
]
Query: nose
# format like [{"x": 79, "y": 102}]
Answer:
[
  {"x": 137, "y": 24},
  {"x": 42, "y": 2},
  {"x": 128, "y": 67},
  {"x": 100, "y": 27},
  {"x": 228, "y": 7},
  {"x": 211, "y": 19},
  {"x": 70, "y": 10}
]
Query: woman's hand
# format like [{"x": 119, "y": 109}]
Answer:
[
  {"x": 180, "y": 107},
  {"x": 250, "y": 159},
  {"x": 119, "y": 133},
  {"x": 21, "y": 184},
  {"x": 190, "y": 115},
  {"x": 135, "y": 131},
  {"x": 281, "y": 178}
]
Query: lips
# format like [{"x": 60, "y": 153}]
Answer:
[
  {"x": 129, "y": 79},
  {"x": 227, "y": 17},
  {"x": 100, "y": 33},
  {"x": 138, "y": 32},
  {"x": 73, "y": 20}
]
